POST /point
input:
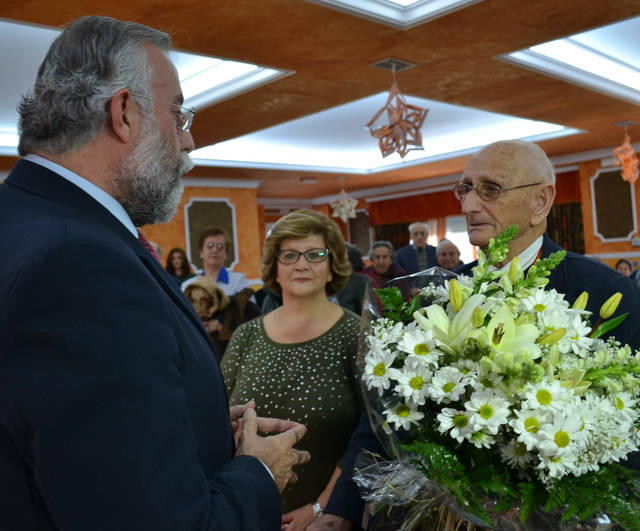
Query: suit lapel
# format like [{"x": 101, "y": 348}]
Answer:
[{"x": 42, "y": 182}]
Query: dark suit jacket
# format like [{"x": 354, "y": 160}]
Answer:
[
  {"x": 113, "y": 411},
  {"x": 406, "y": 258},
  {"x": 575, "y": 274}
]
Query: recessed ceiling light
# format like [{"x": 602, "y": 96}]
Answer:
[
  {"x": 204, "y": 80},
  {"x": 604, "y": 59},
  {"x": 402, "y": 14}
]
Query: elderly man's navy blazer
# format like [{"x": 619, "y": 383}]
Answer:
[
  {"x": 406, "y": 258},
  {"x": 113, "y": 411}
]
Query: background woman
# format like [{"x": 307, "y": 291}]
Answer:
[
  {"x": 178, "y": 265},
  {"x": 213, "y": 243},
  {"x": 298, "y": 361}
]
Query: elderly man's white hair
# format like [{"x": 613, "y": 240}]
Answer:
[
  {"x": 443, "y": 243},
  {"x": 417, "y": 224},
  {"x": 526, "y": 157}
]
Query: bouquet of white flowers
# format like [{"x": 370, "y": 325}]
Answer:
[{"x": 507, "y": 400}]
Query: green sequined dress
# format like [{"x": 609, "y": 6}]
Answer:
[{"x": 314, "y": 382}]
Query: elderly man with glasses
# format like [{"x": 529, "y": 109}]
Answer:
[
  {"x": 506, "y": 183},
  {"x": 113, "y": 410},
  {"x": 512, "y": 183}
]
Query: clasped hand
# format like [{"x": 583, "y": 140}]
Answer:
[{"x": 275, "y": 451}]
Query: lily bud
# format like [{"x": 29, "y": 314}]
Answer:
[
  {"x": 552, "y": 337},
  {"x": 477, "y": 317},
  {"x": 581, "y": 301},
  {"x": 455, "y": 294},
  {"x": 610, "y": 305},
  {"x": 515, "y": 270}
]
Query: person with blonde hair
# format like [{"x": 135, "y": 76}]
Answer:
[{"x": 299, "y": 360}]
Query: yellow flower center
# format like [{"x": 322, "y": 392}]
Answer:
[
  {"x": 532, "y": 425},
  {"x": 421, "y": 349},
  {"x": 486, "y": 411},
  {"x": 520, "y": 450},
  {"x": 539, "y": 307},
  {"x": 402, "y": 411},
  {"x": 619, "y": 403},
  {"x": 448, "y": 387},
  {"x": 460, "y": 420},
  {"x": 416, "y": 382},
  {"x": 544, "y": 397},
  {"x": 380, "y": 369},
  {"x": 562, "y": 439}
]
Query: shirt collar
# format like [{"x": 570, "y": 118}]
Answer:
[
  {"x": 97, "y": 193},
  {"x": 528, "y": 256},
  {"x": 223, "y": 276}
]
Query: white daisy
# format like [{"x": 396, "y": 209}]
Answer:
[
  {"x": 547, "y": 395},
  {"x": 541, "y": 301},
  {"x": 402, "y": 416},
  {"x": 562, "y": 435},
  {"x": 420, "y": 345},
  {"x": 413, "y": 382},
  {"x": 447, "y": 385},
  {"x": 527, "y": 424},
  {"x": 556, "y": 466},
  {"x": 515, "y": 454},
  {"x": 489, "y": 410},
  {"x": 481, "y": 439},
  {"x": 376, "y": 370},
  {"x": 625, "y": 404},
  {"x": 456, "y": 421}
]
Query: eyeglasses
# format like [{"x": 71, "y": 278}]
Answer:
[
  {"x": 184, "y": 116},
  {"x": 486, "y": 191},
  {"x": 313, "y": 256},
  {"x": 211, "y": 245}
]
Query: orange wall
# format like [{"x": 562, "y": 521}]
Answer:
[{"x": 248, "y": 225}]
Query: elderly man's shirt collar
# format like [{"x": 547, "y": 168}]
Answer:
[{"x": 527, "y": 257}]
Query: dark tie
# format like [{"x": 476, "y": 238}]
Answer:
[{"x": 147, "y": 246}]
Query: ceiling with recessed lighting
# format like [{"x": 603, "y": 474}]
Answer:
[{"x": 298, "y": 86}]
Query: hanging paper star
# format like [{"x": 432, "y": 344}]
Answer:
[
  {"x": 344, "y": 207},
  {"x": 402, "y": 134},
  {"x": 626, "y": 157}
]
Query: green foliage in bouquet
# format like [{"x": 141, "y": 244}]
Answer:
[{"x": 512, "y": 402}]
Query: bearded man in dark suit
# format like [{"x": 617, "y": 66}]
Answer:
[
  {"x": 506, "y": 183},
  {"x": 113, "y": 411}
]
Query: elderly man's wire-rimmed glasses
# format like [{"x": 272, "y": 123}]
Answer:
[
  {"x": 184, "y": 115},
  {"x": 313, "y": 256},
  {"x": 486, "y": 191}
]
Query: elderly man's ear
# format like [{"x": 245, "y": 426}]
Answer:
[{"x": 544, "y": 197}]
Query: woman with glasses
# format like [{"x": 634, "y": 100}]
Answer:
[
  {"x": 213, "y": 243},
  {"x": 298, "y": 362}
]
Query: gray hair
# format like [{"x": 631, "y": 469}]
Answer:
[
  {"x": 444, "y": 242},
  {"x": 86, "y": 65},
  {"x": 381, "y": 243},
  {"x": 415, "y": 224}
]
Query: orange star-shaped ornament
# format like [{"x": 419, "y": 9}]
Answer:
[
  {"x": 402, "y": 134},
  {"x": 626, "y": 157}
]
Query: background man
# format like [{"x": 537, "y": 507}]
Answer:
[
  {"x": 382, "y": 268},
  {"x": 113, "y": 412},
  {"x": 448, "y": 255},
  {"x": 506, "y": 183},
  {"x": 417, "y": 256}
]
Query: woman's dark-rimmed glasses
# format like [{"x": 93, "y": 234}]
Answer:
[{"x": 313, "y": 256}]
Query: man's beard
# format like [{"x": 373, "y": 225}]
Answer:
[{"x": 149, "y": 185}]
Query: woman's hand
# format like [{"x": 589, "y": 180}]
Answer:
[
  {"x": 298, "y": 519},
  {"x": 212, "y": 325}
]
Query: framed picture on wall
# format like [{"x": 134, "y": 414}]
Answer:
[{"x": 201, "y": 213}]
